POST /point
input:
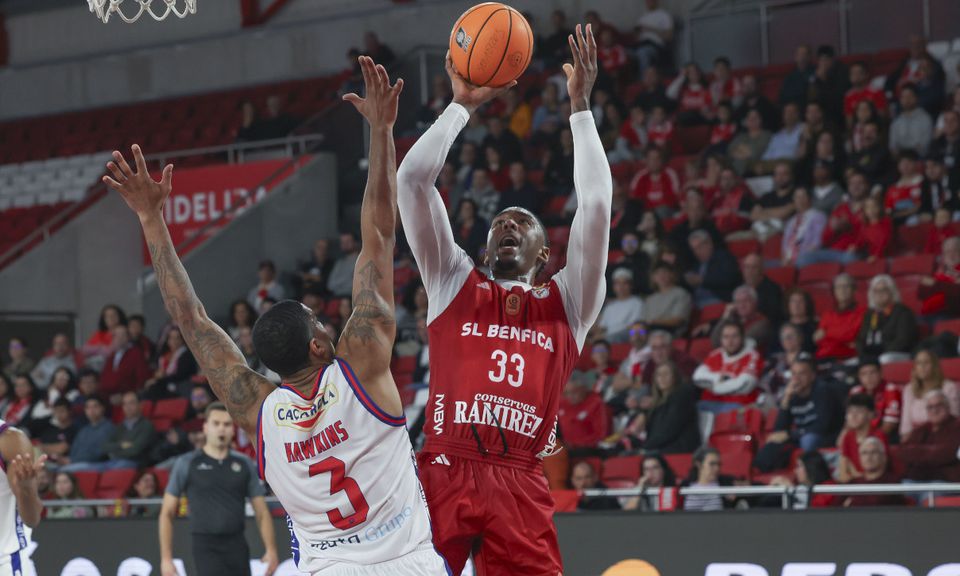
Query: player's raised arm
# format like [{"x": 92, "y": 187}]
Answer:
[
  {"x": 443, "y": 265},
  {"x": 240, "y": 388},
  {"x": 367, "y": 338},
  {"x": 22, "y": 470},
  {"x": 582, "y": 279}
]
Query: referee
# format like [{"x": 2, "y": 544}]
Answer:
[{"x": 216, "y": 482}]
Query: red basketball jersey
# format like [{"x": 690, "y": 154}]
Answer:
[{"x": 510, "y": 353}]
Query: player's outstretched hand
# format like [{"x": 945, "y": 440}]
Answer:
[
  {"x": 271, "y": 560},
  {"x": 142, "y": 193},
  {"x": 469, "y": 95},
  {"x": 379, "y": 106},
  {"x": 22, "y": 472},
  {"x": 167, "y": 568},
  {"x": 582, "y": 74}
]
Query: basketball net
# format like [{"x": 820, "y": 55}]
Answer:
[{"x": 104, "y": 8}]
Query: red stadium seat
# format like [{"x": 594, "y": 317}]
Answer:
[
  {"x": 732, "y": 442},
  {"x": 911, "y": 239},
  {"x": 772, "y": 247},
  {"x": 822, "y": 295},
  {"x": 946, "y": 501},
  {"x": 920, "y": 264},
  {"x": 622, "y": 468},
  {"x": 783, "y": 275},
  {"x": 681, "y": 344},
  {"x": 679, "y": 463},
  {"x": 909, "y": 287},
  {"x": 699, "y": 348},
  {"x": 866, "y": 270},
  {"x": 565, "y": 500},
  {"x": 947, "y": 326},
  {"x": 727, "y": 422},
  {"x": 614, "y": 256},
  {"x": 753, "y": 421},
  {"x": 897, "y": 372},
  {"x": 951, "y": 368},
  {"x": 172, "y": 408},
  {"x": 163, "y": 476},
  {"x": 741, "y": 248},
  {"x": 770, "y": 419},
  {"x": 736, "y": 464},
  {"x": 818, "y": 273},
  {"x": 87, "y": 483},
  {"x": 115, "y": 483},
  {"x": 161, "y": 425},
  {"x": 712, "y": 312},
  {"x": 619, "y": 352},
  {"x": 146, "y": 408}
]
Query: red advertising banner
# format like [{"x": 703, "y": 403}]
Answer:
[{"x": 207, "y": 195}]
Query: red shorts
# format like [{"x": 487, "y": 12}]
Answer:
[{"x": 503, "y": 515}]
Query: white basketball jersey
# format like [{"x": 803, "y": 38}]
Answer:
[
  {"x": 13, "y": 538},
  {"x": 344, "y": 471}
]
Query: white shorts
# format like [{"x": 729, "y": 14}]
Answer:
[
  {"x": 423, "y": 562},
  {"x": 11, "y": 564}
]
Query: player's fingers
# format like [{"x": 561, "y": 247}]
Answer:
[
  {"x": 591, "y": 44},
  {"x": 384, "y": 77},
  {"x": 139, "y": 159},
  {"x": 398, "y": 87},
  {"x": 365, "y": 69},
  {"x": 122, "y": 163},
  {"x": 574, "y": 51},
  {"x": 167, "y": 179},
  {"x": 352, "y": 98},
  {"x": 581, "y": 41},
  {"x": 41, "y": 461},
  {"x": 112, "y": 183},
  {"x": 568, "y": 69},
  {"x": 115, "y": 170}
]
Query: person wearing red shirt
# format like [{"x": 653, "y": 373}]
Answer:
[
  {"x": 941, "y": 292},
  {"x": 724, "y": 128},
  {"x": 731, "y": 206},
  {"x": 100, "y": 341},
  {"x": 860, "y": 413},
  {"x": 612, "y": 56},
  {"x": 724, "y": 86},
  {"x": 603, "y": 369},
  {"x": 861, "y": 90},
  {"x": 940, "y": 232},
  {"x": 876, "y": 230},
  {"x": 583, "y": 418},
  {"x": 125, "y": 369},
  {"x": 729, "y": 375},
  {"x": 660, "y": 128},
  {"x": 930, "y": 451},
  {"x": 876, "y": 470},
  {"x": 903, "y": 197},
  {"x": 887, "y": 397},
  {"x": 657, "y": 186},
  {"x": 839, "y": 327},
  {"x": 689, "y": 89}
]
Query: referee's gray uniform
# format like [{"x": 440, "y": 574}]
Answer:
[{"x": 216, "y": 491}]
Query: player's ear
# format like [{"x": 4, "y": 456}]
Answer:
[{"x": 544, "y": 255}]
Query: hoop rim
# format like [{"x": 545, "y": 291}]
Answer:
[{"x": 103, "y": 9}]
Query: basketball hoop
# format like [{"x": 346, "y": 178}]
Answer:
[{"x": 104, "y": 8}]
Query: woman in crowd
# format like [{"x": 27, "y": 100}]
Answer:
[
  {"x": 811, "y": 470},
  {"x": 668, "y": 308},
  {"x": 98, "y": 345},
  {"x": 65, "y": 488},
  {"x": 864, "y": 113},
  {"x": 242, "y": 315},
  {"x": 63, "y": 384},
  {"x": 651, "y": 233},
  {"x": 28, "y": 410},
  {"x": 6, "y": 395},
  {"x": 20, "y": 363},
  {"x": 876, "y": 230},
  {"x": 690, "y": 91},
  {"x": 927, "y": 375},
  {"x": 146, "y": 486},
  {"x": 775, "y": 379},
  {"x": 469, "y": 230},
  {"x": 656, "y": 473},
  {"x": 705, "y": 473},
  {"x": 803, "y": 233},
  {"x": 176, "y": 367},
  {"x": 889, "y": 328},
  {"x": 838, "y": 328},
  {"x": 672, "y": 426},
  {"x": 800, "y": 313}
]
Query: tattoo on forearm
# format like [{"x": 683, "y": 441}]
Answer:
[{"x": 370, "y": 312}]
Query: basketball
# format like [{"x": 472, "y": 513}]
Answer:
[{"x": 491, "y": 44}]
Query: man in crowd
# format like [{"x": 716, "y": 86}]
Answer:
[
  {"x": 583, "y": 419},
  {"x": 622, "y": 310},
  {"x": 714, "y": 273},
  {"x": 662, "y": 352},
  {"x": 873, "y": 159},
  {"x": 929, "y": 453},
  {"x": 61, "y": 355},
  {"x": 876, "y": 470},
  {"x": 137, "y": 325},
  {"x": 340, "y": 281},
  {"x": 130, "y": 442},
  {"x": 267, "y": 286},
  {"x": 657, "y": 186},
  {"x": 521, "y": 191},
  {"x": 654, "y": 32},
  {"x": 912, "y": 129},
  {"x": 56, "y": 438},
  {"x": 584, "y": 477},
  {"x": 887, "y": 396},
  {"x": 125, "y": 368},
  {"x": 639, "y": 350},
  {"x": 87, "y": 451},
  {"x": 858, "y": 426},
  {"x": 769, "y": 293},
  {"x": 695, "y": 217},
  {"x": 729, "y": 375},
  {"x": 797, "y": 82},
  {"x": 745, "y": 311}
]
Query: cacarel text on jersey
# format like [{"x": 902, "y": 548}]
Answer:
[{"x": 504, "y": 332}]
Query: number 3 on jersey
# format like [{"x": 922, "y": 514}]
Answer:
[
  {"x": 513, "y": 374},
  {"x": 340, "y": 482}
]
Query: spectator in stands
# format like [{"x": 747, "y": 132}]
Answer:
[
  {"x": 146, "y": 486},
  {"x": 745, "y": 311},
  {"x": 249, "y": 129},
  {"x": 777, "y": 374},
  {"x": 873, "y": 158},
  {"x": 558, "y": 171},
  {"x": 655, "y": 474},
  {"x": 941, "y": 292},
  {"x": 858, "y": 426},
  {"x": 29, "y": 410},
  {"x": 87, "y": 451},
  {"x": 912, "y": 129},
  {"x": 651, "y": 91},
  {"x": 724, "y": 128},
  {"x": 200, "y": 397},
  {"x": 814, "y": 124},
  {"x": 937, "y": 194},
  {"x": 876, "y": 470},
  {"x": 59, "y": 433},
  {"x": 175, "y": 443},
  {"x": 546, "y": 117},
  {"x": 801, "y": 313},
  {"x": 277, "y": 124},
  {"x": 63, "y": 386},
  {"x": 19, "y": 363},
  {"x": 611, "y": 53},
  {"x": 603, "y": 369},
  {"x": 947, "y": 145},
  {"x": 651, "y": 233},
  {"x": 860, "y": 91},
  {"x": 690, "y": 92},
  {"x": 770, "y": 212},
  {"x": 785, "y": 143},
  {"x": 340, "y": 281},
  {"x": 242, "y": 315},
  {"x": 267, "y": 287},
  {"x": 889, "y": 328},
  {"x": 927, "y": 375},
  {"x": 380, "y": 52},
  {"x": 65, "y": 488},
  {"x": 809, "y": 417},
  {"x": 803, "y": 233},
  {"x": 582, "y": 418},
  {"x": 731, "y": 205},
  {"x": 313, "y": 274},
  {"x": 729, "y": 375},
  {"x": 837, "y": 332},
  {"x": 503, "y": 140},
  {"x": 876, "y": 231},
  {"x": 811, "y": 470},
  {"x": 930, "y": 86},
  {"x": 484, "y": 195},
  {"x": 669, "y": 306},
  {"x": 656, "y": 186},
  {"x": 497, "y": 171},
  {"x": 584, "y": 477},
  {"x": 887, "y": 397},
  {"x": 626, "y": 217},
  {"x": 753, "y": 99},
  {"x": 659, "y": 127},
  {"x": 929, "y": 453},
  {"x": 622, "y": 310},
  {"x": 136, "y": 326},
  {"x": 61, "y": 354},
  {"x": 705, "y": 473},
  {"x": 517, "y": 111},
  {"x": 520, "y": 192},
  {"x": 747, "y": 148},
  {"x": 636, "y": 261},
  {"x": 639, "y": 350},
  {"x": 863, "y": 114},
  {"x": 829, "y": 84},
  {"x": 413, "y": 306},
  {"x": 175, "y": 368},
  {"x": 662, "y": 351},
  {"x": 130, "y": 442},
  {"x": 125, "y": 368},
  {"x": 796, "y": 84},
  {"x": 6, "y": 394},
  {"x": 672, "y": 424},
  {"x": 654, "y": 32},
  {"x": 632, "y": 139},
  {"x": 715, "y": 273},
  {"x": 902, "y": 199},
  {"x": 440, "y": 97},
  {"x": 769, "y": 293},
  {"x": 555, "y": 47},
  {"x": 841, "y": 236},
  {"x": 827, "y": 192},
  {"x": 724, "y": 86},
  {"x": 88, "y": 385}
]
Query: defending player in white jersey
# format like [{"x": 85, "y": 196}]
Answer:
[
  {"x": 329, "y": 444},
  {"x": 19, "y": 501}
]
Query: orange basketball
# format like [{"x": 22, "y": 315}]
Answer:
[{"x": 491, "y": 44}]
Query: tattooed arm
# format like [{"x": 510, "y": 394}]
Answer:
[
  {"x": 240, "y": 388},
  {"x": 367, "y": 339}
]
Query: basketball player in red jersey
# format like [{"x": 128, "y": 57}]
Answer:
[{"x": 501, "y": 349}]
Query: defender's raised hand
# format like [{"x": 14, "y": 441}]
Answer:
[
  {"x": 23, "y": 470},
  {"x": 582, "y": 74},
  {"x": 142, "y": 193},
  {"x": 469, "y": 95},
  {"x": 379, "y": 106}
]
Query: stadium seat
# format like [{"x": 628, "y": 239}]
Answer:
[
  {"x": 783, "y": 275},
  {"x": 920, "y": 264},
  {"x": 737, "y": 464},
  {"x": 161, "y": 425},
  {"x": 619, "y": 352},
  {"x": 897, "y": 372},
  {"x": 946, "y": 501},
  {"x": 951, "y": 368},
  {"x": 163, "y": 476},
  {"x": 822, "y": 273},
  {"x": 115, "y": 483},
  {"x": 753, "y": 421},
  {"x": 712, "y": 312},
  {"x": 947, "y": 326},
  {"x": 727, "y": 422},
  {"x": 770, "y": 419},
  {"x": 911, "y": 239},
  {"x": 772, "y": 247},
  {"x": 699, "y": 348},
  {"x": 866, "y": 270},
  {"x": 87, "y": 483},
  {"x": 679, "y": 463},
  {"x": 681, "y": 344},
  {"x": 822, "y": 295},
  {"x": 741, "y": 248},
  {"x": 565, "y": 500},
  {"x": 622, "y": 468},
  {"x": 732, "y": 442},
  {"x": 172, "y": 408},
  {"x": 146, "y": 408},
  {"x": 909, "y": 291}
]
